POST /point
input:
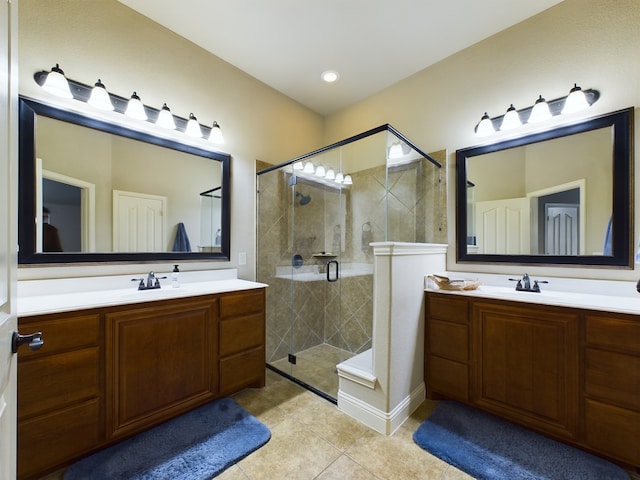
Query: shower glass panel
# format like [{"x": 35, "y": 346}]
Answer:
[{"x": 317, "y": 217}]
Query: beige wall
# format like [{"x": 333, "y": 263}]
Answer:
[
  {"x": 591, "y": 42},
  {"x": 93, "y": 39}
]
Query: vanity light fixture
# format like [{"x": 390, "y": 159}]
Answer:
[
  {"x": 542, "y": 110},
  {"x": 511, "y": 119},
  {"x": 320, "y": 171},
  {"x": 99, "y": 97},
  {"x": 298, "y": 166},
  {"x": 339, "y": 177},
  {"x": 576, "y": 101},
  {"x": 395, "y": 151},
  {"x": 135, "y": 108},
  {"x": 215, "y": 135},
  {"x": 165, "y": 118},
  {"x": 309, "y": 168},
  {"x": 331, "y": 174},
  {"x": 56, "y": 83},
  {"x": 193, "y": 127},
  {"x": 347, "y": 180},
  {"x": 485, "y": 127}
]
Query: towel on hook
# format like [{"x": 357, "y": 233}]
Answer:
[{"x": 181, "y": 243}]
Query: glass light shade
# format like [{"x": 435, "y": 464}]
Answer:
[
  {"x": 540, "y": 111},
  {"x": 99, "y": 97},
  {"x": 339, "y": 177},
  {"x": 193, "y": 127},
  {"x": 320, "y": 171},
  {"x": 135, "y": 108},
  {"x": 395, "y": 151},
  {"x": 331, "y": 174},
  {"x": 56, "y": 83},
  {"x": 215, "y": 136},
  {"x": 347, "y": 180},
  {"x": 298, "y": 166},
  {"x": 309, "y": 168},
  {"x": 485, "y": 127},
  {"x": 576, "y": 101},
  {"x": 165, "y": 118},
  {"x": 511, "y": 119}
]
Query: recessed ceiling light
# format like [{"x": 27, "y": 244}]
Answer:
[{"x": 330, "y": 76}]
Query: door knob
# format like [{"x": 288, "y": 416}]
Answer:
[{"x": 34, "y": 340}]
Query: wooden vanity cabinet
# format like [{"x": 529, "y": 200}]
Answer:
[
  {"x": 105, "y": 374},
  {"x": 573, "y": 374},
  {"x": 160, "y": 362},
  {"x": 60, "y": 391}
]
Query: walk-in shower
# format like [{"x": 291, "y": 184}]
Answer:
[{"x": 318, "y": 260}]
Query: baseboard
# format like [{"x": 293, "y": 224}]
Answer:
[{"x": 382, "y": 422}]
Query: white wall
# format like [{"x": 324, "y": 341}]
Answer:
[{"x": 591, "y": 42}]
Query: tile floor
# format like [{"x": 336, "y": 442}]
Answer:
[{"x": 311, "y": 439}]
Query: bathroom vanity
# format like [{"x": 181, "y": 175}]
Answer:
[
  {"x": 108, "y": 372},
  {"x": 570, "y": 372}
]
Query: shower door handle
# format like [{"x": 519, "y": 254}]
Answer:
[{"x": 334, "y": 277}]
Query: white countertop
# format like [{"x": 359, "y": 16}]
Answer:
[
  {"x": 591, "y": 300},
  {"x": 43, "y": 297}
]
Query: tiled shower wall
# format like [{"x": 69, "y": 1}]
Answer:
[{"x": 307, "y": 313}]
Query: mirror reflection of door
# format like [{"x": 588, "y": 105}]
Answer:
[
  {"x": 65, "y": 208},
  {"x": 138, "y": 222},
  {"x": 561, "y": 229}
]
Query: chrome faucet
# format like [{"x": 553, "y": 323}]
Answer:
[
  {"x": 524, "y": 284},
  {"x": 151, "y": 283}
]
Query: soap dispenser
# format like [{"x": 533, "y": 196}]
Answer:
[{"x": 175, "y": 277}]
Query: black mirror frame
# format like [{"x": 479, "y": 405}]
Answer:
[
  {"x": 28, "y": 111},
  {"x": 622, "y": 238}
]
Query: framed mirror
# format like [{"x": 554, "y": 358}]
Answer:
[
  {"x": 558, "y": 197},
  {"x": 94, "y": 191}
]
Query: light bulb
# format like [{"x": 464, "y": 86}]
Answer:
[
  {"x": 485, "y": 127},
  {"x": 540, "y": 111},
  {"x": 511, "y": 119},
  {"x": 165, "y": 118},
  {"x": 309, "y": 168},
  {"x": 320, "y": 171},
  {"x": 339, "y": 177},
  {"x": 347, "y": 180},
  {"x": 56, "y": 83},
  {"x": 298, "y": 166},
  {"x": 395, "y": 151},
  {"x": 193, "y": 127},
  {"x": 99, "y": 97},
  {"x": 331, "y": 174},
  {"x": 215, "y": 136},
  {"x": 576, "y": 101},
  {"x": 135, "y": 108}
]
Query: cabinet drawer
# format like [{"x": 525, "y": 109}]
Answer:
[
  {"x": 241, "y": 303},
  {"x": 56, "y": 438},
  {"x": 241, "y": 333},
  {"x": 613, "y": 332},
  {"x": 56, "y": 381},
  {"x": 241, "y": 370},
  {"x": 613, "y": 431},
  {"x": 449, "y": 340},
  {"x": 448, "y": 378},
  {"x": 447, "y": 307},
  {"x": 60, "y": 333},
  {"x": 613, "y": 377}
]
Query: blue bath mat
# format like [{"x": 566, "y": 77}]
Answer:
[
  {"x": 489, "y": 448},
  {"x": 197, "y": 445}
]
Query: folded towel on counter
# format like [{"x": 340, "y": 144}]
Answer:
[{"x": 181, "y": 243}]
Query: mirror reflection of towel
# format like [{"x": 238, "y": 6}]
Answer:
[{"x": 181, "y": 243}]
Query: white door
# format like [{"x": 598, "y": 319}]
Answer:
[
  {"x": 138, "y": 222},
  {"x": 503, "y": 226},
  {"x": 8, "y": 237}
]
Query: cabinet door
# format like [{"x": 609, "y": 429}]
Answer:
[
  {"x": 526, "y": 365},
  {"x": 161, "y": 361}
]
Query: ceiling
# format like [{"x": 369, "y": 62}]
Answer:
[{"x": 372, "y": 44}]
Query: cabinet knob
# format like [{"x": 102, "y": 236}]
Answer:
[{"x": 34, "y": 340}]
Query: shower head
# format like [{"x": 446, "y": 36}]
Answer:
[{"x": 304, "y": 199}]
